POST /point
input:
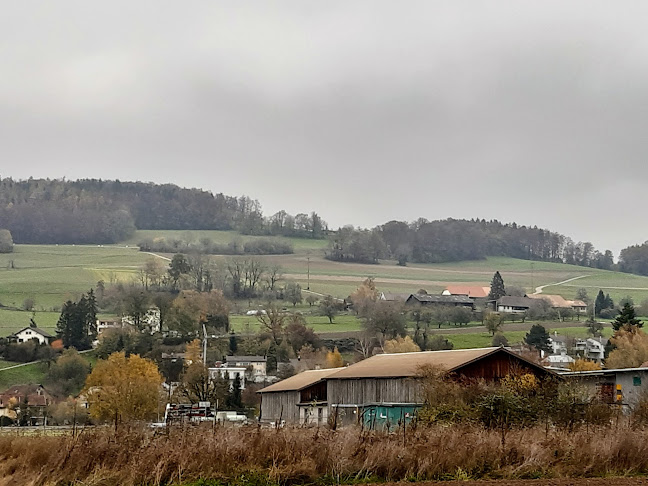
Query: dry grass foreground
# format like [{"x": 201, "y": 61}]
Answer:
[{"x": 252, "y": 456}]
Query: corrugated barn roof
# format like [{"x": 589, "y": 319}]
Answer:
[
  {"x": 409, "y": 364},
  {"x": 301, "y": 380}
]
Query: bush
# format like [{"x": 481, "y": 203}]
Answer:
[
  {"x": 438, "y": 343},
  {"x": 22, "y": 352},
  {"x": 6, "y": 241},
  {"x": 499, "y": 340},
  {"x": 608, "y": 313},
  {"x": 67, "y": 375}
]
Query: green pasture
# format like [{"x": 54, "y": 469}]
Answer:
[
  {"x": 31, "y": 373},
  {"x": 13, "y": 320},
  {"x": 222, "y": 237},
  {"x": 320, "y": 324},
  {"x": 484, "y": 339},
  {"x": 52, "y": 274}
]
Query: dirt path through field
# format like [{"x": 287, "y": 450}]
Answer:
[
  {"x": 357, "y": 279},
  {"x": 538, "y": 290}
]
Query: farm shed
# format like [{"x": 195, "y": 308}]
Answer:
[
  {"x": 440, "y": 300},
  {"x": 299, "y": 399},
  {"x": 624, "y": 386},
  {"x": 472, "y": 291},
  {"x": 392, "y": 380}
]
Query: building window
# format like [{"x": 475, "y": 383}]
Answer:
[{"x": 636, "y": 381}]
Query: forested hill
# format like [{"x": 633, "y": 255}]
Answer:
[
  {"x": 95, "y": 211},
  {"x": 100, "y": 212},
  {"x": 453, "y": 240}
]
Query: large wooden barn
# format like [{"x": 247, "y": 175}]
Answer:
[{"x": 384, "y": 388}]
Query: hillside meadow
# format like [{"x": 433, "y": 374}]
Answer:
[{"x": 51, "y": 274}]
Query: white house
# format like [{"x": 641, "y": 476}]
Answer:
[
  {"x": 229, "y": 373},
  {"x": 110, "y": 323},
  {"x": 257, "y": 365},
  {"x": 28, "y": 333},
  {"x": 150, "y": 320}
]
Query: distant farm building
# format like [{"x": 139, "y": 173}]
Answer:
[
  {"x": 559, "y": 302},
  {"x": 514, "y": 305},
  {"x": 472, "y": 291},
  {"x": 393, "y": 297},
  {"x": 440, "y": 300}
]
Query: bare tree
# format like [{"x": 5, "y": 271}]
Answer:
[
  {"x": 274, "y": 274},
  {"x": 273, "y": 321}
]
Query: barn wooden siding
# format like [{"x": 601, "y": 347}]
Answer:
[
  {"x": 497, "y": 366},
  {"x": 314, "y": 393},
  {"x": 373, "y": 390},
  {"x": 278, "y": 405}
]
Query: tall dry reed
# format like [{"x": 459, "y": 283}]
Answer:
[{"x": 138, "y": 456}]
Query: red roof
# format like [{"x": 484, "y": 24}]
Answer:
[
  {"x": 36, "y": 395},
  {"x": 474, "y": 291}
]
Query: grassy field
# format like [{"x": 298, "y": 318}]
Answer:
[
  {"x": 52, "y": 274},
  {"x": 31, "y": 373},
  {"x": 484, "y": 339}
]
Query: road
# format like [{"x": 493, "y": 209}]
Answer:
[
  {"x": 33, "y": 362},
  {"x": 538, "y": 290}
]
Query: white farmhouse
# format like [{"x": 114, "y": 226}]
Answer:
[{"x": 28, "y": 333}]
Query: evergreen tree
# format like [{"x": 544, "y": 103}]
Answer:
[
  {"x": 599, "y": 303},
  {"x": 77, "y": 324},
  {"x": 91, "y": 314},
  {"x": 271, "y": 356},
  {"x": 179, "y": 266},
  {"x": 497, "y": 287},
  {"x": 609, "y": 303},
  {"x": 233, "y": 346},
  {"x": 538, "y": 337},
  {"x": 627, "y": 319},
  {"x": 234, "y": 396},
  {"x": 65, "y": 325}
]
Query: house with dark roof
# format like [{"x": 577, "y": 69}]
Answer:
[
  {"x": 27, "y": 334},
  {"x": 393, "y": 297},
  {"x": 514, "y": 305},
  {"x": 440, "y": 300}
]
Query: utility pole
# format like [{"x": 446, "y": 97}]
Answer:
[
  {"x": 204, "y": 344},
  {"x": 308, "y": 273}
]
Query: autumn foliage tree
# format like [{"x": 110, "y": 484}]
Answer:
[
  {"x": 401, "y": 345},
  {"x": 334, "y": 359},
  {"x": 364, "y": 296},
  {"x": 191, "y": 309},
  {"x": 630, "y": 349},
  {"x": 584, "y": 365},
  {"x": 122, "y": 389}
]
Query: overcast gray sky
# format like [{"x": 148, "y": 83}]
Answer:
[{"x": 362, "y": 111}]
